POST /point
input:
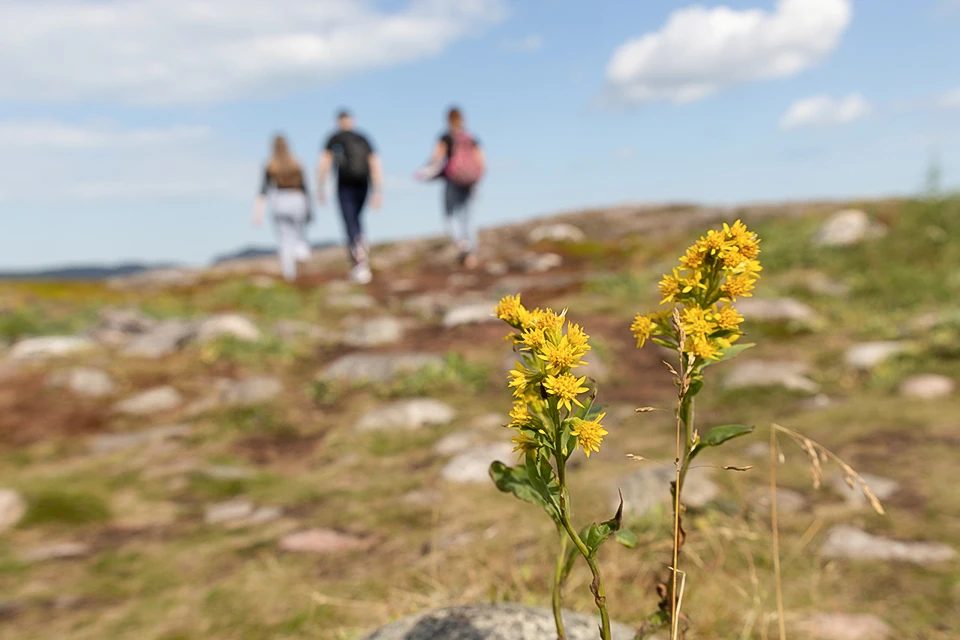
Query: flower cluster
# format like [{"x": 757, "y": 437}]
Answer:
[
  {"x": 548, "y": 396},
  {"x": 719, "y": 268}
]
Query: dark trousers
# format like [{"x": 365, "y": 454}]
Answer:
[{"x": 352, "y": 198}]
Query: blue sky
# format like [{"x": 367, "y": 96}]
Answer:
[{"x": 137, "y": 130}]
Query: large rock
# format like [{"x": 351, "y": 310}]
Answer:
[
  {"x": 156, "y": 400},
  {"x": 162, "y": 340},
  {"x": 370, "y": 367},
  {"x": 473, "y": 464},
  {"x": 471, "y": 313},
  {"x": 559, "y": 232},
  {"x": 407, "y": 415},
  {"x": 778, "y": 310},
  {"x": 769, "y": 373},
  {"x": 848, "y": 542},
  {"x": 110, "y": 442},
  {"x": 648, "y": 488},
  {"x": 322, "y": 541},
  {"x": 846, "y": 228},
  {"x": 501, "y": 621},
  {"x": 12, "y": 509},
  {"x": 842, "y": 626},
  {"x": 867, "y": 355},
  {"x": 928, "y": 386},
  {"x": 228, "y": 325},
  {"x": 245, "y": 392},
  {"x": 84, "y": 381},
  {"x": 374, "y": 332},
  {"x": 50, "y": 347}
]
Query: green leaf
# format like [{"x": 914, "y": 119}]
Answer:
[
  {"x": 597, "y": 534},
  {"x": 540, "y": 474},
  {"x": 696, "y": 385},
  {"x": 733, "y": 351},
  {"x": 718, "y": 435},
  {"x": 516, "y": 481},
  {"x": 627, "y": 538}
]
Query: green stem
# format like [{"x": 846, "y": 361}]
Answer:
[{"x": 558, "y": 586}]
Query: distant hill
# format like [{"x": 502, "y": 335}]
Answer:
[
  {"x": 83, "y": 272},
  {"x": 260, "y": 252}
]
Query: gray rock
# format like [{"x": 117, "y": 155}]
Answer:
[
  {"x": 473, "y": 465},
  {"x": 429, "y": 305},
  {"x": 868, "y": 355},
  {"x": 819, "y": 283},
  {"x": 501, "y": 621},
  {"x": 228, "y": 325},
  {"x": 649, "y": 488},
  {"x": 56, "y": 551},
  {"x": 12, "y": 509},
  {"x": 846, "y": 228},
  {"x": 559, "y": 232},
  {"x": 407, "y": 415},
  {"x": 471, "y": 313},
  {"x": 369, "y": 367},
  {"x": 883, "y": 488},
  {"x": 84, "y": 381},
  {"x": 295, "y": 330},
  {"x": 245, "y": 392},
  {"x": 788, "y": 501},
  {"x": 842, "y": 626},
  {"x": 540, "y": 262},
  {"x": 126, "y": 320},
  {"x": 777, "y": 310},
  {"x": 374, "y": 332},
  {"x": 848, "y": 542},
  {"x": 50, "y": 347},
  {"x": 162, "y": 340},
  {"x": 226, "y": 511},
  {"x": 770, "y": 373},
  {"x": 108, "y": 443},
  {"x": 927, "y": 386},
  {"x": 156, "y": 400},
  {"x": 455, "y": 443},
  {"x": 321, "y": 541}
]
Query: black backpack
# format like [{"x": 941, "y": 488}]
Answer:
[{"x": 353, "y": 159}]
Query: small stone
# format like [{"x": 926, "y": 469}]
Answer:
[
  {"x": 788, "y": 501},
  {"x": 649, "y": 488},
  {"x": 541, "y": 262},
  {"x": 321, "y": 541},
  {"x": 370, "y": 367},
  {"x": 472, "y": 313},
  {"x": 848, "y": 542},
  {"x": 867, "y": 355},
  {"x": 162, "y": 340},
  {"x": 84, "y": 381},
  {"x": 767, "y": 373},
  {"x": 228, "y": 325},
  {"x": 57, "y": 551},
  {"x": 473, "y": 465},
  {"x": 373, "y": 333},
  {"x": 847, "y": 227},
  {"x": 883, "y": 488},
  {"x": 108, "y": 443},
  {"x": 843, "y": 626},
  {"x": 294, "y": 330},
  {"x": 156, "y": 400},
  {"x": 408, "y": 415},
  {"x": 12, "y": 509},
  {"x": 252, "y": 391},
  {"x": 50, "y": 347},
  {"x": 778, "y": 310},
  {"x": 454, "y": 443},
  {"x": 928, "y": 386},
  {"x": 560, "y": 232},
  {"x": 229, "y": 510}
]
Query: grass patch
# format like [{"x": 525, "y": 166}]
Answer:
[
  {"x": 245, "y": 352},
  {"x": 260, "y": 420},
  {"x": 59, "y": 506},
  {"x": 455, "y": 375}
]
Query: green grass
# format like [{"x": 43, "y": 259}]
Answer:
[
  {"x": 456, "y": 374},
  {"x": 65, "y": 507}
]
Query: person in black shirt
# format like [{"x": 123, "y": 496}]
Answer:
[{"x": 358, "y": 169}]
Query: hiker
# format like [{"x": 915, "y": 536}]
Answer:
[
  {"x": 358, "y": 170},
  {"x": 285, "y": 190},
  {"x": 459, "y": 160}
]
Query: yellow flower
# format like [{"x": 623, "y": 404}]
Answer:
[
  {"x": 727, "y": 317},
  {"x": 669, "y": 287},
  {"x": 745, "y": 240},
  {"x": 693, "y": 258},
  {"x": 692, "y": 281},
  {"x": 589, "y": 434},
  {"x": 577, "y": 337},
  {"x": 732, "y": 258},
  {"x": 566, "y": 387},
  {"x": 641, "y": 328},
  {"x": 519, "y": 415},
  {"x": 748, "y": 267},
  {"x": 524, "y": 443},
  {"x": 533, "y": 338},
  {"x": 511, "y": 311},
  {"x": 695, "y": 322},
  {"x": 561, "y": 356},
  {"x": 521, "y": 380},
  {"x": 703, "y": 348},
  {"x": 544, "y": 319},
  {"x": 714, "y": 242},
  {"x": 739, "y": 286}
]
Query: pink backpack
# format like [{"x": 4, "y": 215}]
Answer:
[{"x": 464, "y": 168}]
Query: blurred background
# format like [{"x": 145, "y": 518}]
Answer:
[{"x": 193, "y": 447}]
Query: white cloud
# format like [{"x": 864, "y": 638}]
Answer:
[
  {"x": 824, "y": 111},
  {"x": 701, "y": 50},
  {"x": 527, "y": 44},
  {"x": 46, "y": 134},
  {"x": 950, "y": 100},
  {"x": 171, "y": 52}
]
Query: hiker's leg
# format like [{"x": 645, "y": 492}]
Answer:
[
  {"x": 362, "y": 247},
  {"x": 468, "y": 231},
  {"x": 351, "y": 223},
  {"x": 303, "y": 244},
  {"x": 286, "y": 246},
  {"x": 449, "y": 208}
]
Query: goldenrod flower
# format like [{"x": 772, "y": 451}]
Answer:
[
  {"x": 511, "y": 311},
  {"x": 519, "y": 415},
  {"x": 714, "y": 242},
  {"x": 524, "y": 443},
  {"x": 701, "y": 347},
  {"x": 522, "y": 380},
  {"x": 641, "y": 328},
  {"x": 745, "y": 240},
  {"x": 545, "y": 319},
  {"x": 692, "y": 281},
  {"x": 669, "y": 287},
  {"x": 589, "y": 434},
  {"x": 693, "y": 259},
  {"x": 566, "y": 387},
  {"x": 727, "y": 317},
  {"x": 739, "y": 286},
  {"x": 748, "y": 267},
  {"x": 561, "y": 356},
  {"x": 577, "y": 337},
  {"x": 695, "y": 322},
  {"x": 533, "y": 338}
]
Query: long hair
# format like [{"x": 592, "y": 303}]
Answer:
[
  {"x": 455, "y": 118},
  {"x": 284, "y": 167}
]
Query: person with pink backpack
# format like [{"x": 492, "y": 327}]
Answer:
[{"x": 459, "y": 160}]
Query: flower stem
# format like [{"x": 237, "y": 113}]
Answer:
[{"x": 558, "y": 586}]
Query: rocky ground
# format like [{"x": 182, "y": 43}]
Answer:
[{"x": 216, "y": 454}]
